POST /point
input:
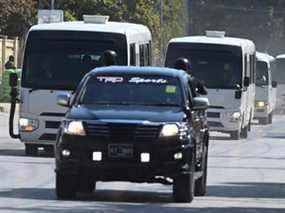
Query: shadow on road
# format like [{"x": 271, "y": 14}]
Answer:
[{"x": 248, "y": 190}]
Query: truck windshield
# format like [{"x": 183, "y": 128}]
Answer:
[
  {"x": 262, "y": 77},
  {"x": 218, "y": 69},
  {"x": 279, "y": 72},
  {"x": 58, "y": 63},
  {"x": 132, "y": 90}
]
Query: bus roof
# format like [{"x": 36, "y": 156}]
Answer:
[
  {"x": 239, "y": 42},
  {"x": 127, "y": 29},
  {"x": 282, "y": 56},
  {"x": 264, "y": 57}
]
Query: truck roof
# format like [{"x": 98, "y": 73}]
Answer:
[
  {"x": 108, "y": 27},
  {"x": 239, "y": 42},
  {"x": 139, "y": 70},
  {"x": 264, "y": 57},
  {"x": 282, "y": 56}
]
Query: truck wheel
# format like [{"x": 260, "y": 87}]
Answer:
[
  {"x": 235, "y": 135},
  {"x": 244, "y": 132},
  {"x": 65, "y": 186},
  {"x": 31, "y": 149},
  {"x": 201, "y": 183},
  {"x": 87, "y": 185},
  {"x": 183, "y": 188}
]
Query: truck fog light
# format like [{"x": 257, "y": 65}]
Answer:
[
  {"x": 145, "y": 157},
  {"x": 97, "y": 156},
  {"x": 178, "y": 156},
  {"x": 65, "y": 152}
]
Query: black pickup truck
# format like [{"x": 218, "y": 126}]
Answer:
[{"x": 137, "y": 124}]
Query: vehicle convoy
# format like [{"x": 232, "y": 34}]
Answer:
[
  {"x": 265, "y": 94},
  {"x": 227, "y": 67},
  {"x": 278, "y": 75},
  {"x": 137, "y": 124},
  {"x": 56, "y": 58}
]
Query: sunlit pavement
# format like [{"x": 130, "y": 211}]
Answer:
[{"x": 244, "y": 176}]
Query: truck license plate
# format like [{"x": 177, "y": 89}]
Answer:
[{"x": 120, "y": 150}]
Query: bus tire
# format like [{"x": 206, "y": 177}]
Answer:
[
  {"x": 244, "y": 132},
  {"x": 31, "y": 150}
]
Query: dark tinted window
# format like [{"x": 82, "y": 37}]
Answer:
[
  {"x": 261, "y": 73},
  {"x": 61, "y": 63},
  {"x": 133, "y": 55},
  {"x": 132, "y": 90},
  {"x": 218, "y": 69}
]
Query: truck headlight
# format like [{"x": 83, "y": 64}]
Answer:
[
  {"x": 169, "y": 130},
  {"x": 75, "y": 128},
  {"x": 28, "y": 125},
  {"x": 260, "y": 104}
]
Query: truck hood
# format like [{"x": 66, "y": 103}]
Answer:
[{"x": 130, "y": 113}]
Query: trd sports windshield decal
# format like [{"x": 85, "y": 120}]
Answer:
[{"x": 136, "y": 80}]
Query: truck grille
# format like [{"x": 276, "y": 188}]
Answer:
[{"x": 123, "y": 132}]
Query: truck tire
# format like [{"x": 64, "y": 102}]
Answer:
[
  {"x": 183, "y": 188},
  {"x": 65, "y": 186},
  {"x": 244, "y": 132},
  {"x": 201, "y": 182},
  {"x": 31, "y": 150},
  {"x": 235, "y": 135}
]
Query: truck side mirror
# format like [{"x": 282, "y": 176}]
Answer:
[
  {"x": 200, "y": 103},
  {"x": 63, "y": 100},
  {"x": 246, "y": 81},
  {"x": 274, "y": 84},
  {"x": 13, "y": 80}
]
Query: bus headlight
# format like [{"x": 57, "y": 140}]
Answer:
[
  {"x": 260, "y": 104},
  {"x": 28, "y": 125},
  {"x": 75, "y": 128},
  {"x": 169, "y": 130}
]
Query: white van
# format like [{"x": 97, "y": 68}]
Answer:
[
  {"x": 56, "y": 58},
  {"x": 227, "y": 66},
  {"x": 278, "y": 75},
  {"x": 265, "y": 94}
]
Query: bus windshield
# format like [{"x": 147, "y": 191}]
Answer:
[
  {"x": 262, "y": 77},
  {"x": 132, "y": 90},
  {"x": 218, "y": 69},
  {"x": 279, "y": 72},
  {"x": 56, "y": 63}
]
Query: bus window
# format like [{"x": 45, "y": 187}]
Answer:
[
  {"x": 142, "y": 55},
  {"x": 133, "y": 55}
]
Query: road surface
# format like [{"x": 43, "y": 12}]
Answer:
[{"x": 246, "y": 176}]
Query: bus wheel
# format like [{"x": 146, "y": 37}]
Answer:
[
  {"x": 244, "y": 132},
  {"x": 31, "y": 149},
  {"x": 235, "y": 135}
]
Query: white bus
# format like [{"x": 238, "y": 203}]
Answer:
[
  {"x": 265, "y": 94},
  {"x": 278, "y": 75},
  {"x": 56, "y": 58},
  {"x": 227, "y": 66}
]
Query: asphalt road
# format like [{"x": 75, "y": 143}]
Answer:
[{"x": 245, "y": 176}]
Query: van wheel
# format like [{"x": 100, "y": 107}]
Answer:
[
  {"x": 270, "y": 118},
  {"x": 201, "y": 183},
  {"x": 235, "y": 135},
  {"x": 244, "y": 132},
  {"x": 65, "y": 186},
  {"x": 31, "y": 150}
]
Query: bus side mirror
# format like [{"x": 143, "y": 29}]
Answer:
[
  {"x": 274, "y": 84},
  {"x": 63, "y": 100},
  {"x": 200, "y": 103},
  {"x": 246, "y": 82},
  {"x": 238, "y": 94},
  {"x": 13, "y": 80}
]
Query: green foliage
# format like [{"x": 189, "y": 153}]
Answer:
[{"x": 4, "y": 86}]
